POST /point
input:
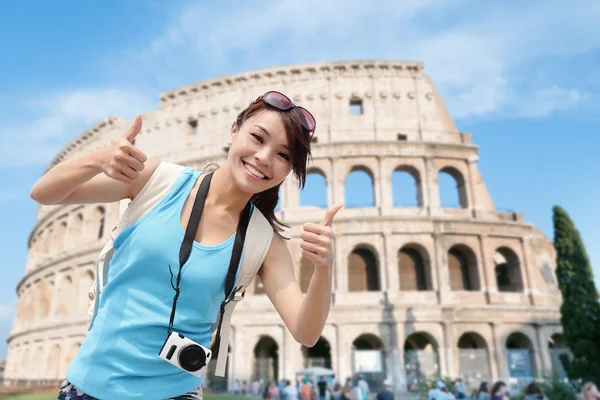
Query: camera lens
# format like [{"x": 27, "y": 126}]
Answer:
[{"x": 192, "y": 358}]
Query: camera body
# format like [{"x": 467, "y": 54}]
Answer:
[{"x": 185, "y": 354}]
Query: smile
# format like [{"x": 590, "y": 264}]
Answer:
[{"x": 253, "y": 173}]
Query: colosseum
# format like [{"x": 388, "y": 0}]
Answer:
[{"x": 420, "y": 289}]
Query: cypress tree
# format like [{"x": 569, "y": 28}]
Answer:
[{"x": 580, "y": 310}]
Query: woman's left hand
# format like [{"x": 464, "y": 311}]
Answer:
[{"x": 317, "y": 239}]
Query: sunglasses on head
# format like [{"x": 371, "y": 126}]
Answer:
[{"x": 281, "y": 102}]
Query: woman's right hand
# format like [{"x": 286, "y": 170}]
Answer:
[{"x": 121, "y": 160}]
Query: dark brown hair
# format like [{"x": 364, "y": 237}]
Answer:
[{"x": 299, "y": 144}]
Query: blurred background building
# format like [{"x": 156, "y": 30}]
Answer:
[{"x": 425, "y": 282}]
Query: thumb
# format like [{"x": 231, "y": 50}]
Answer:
[
  {"x": 134, "y": 130},
  {"x": 330, "y": 213}
]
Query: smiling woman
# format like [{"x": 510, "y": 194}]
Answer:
[{"x": 268, "y": 140}]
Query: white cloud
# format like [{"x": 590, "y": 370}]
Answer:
[
  {"x": 59, "y": 117},
  {"x": 476, "y": 55},
  {"x": 484, "y": 58}
]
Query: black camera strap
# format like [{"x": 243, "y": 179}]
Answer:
[{"x": 188, "y": 242}]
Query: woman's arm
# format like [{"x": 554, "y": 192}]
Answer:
[
  {"x": 304, "y": 315},
  {"x": 115, "y": 172}
]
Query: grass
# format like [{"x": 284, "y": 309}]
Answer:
[{"x": 52, "y": 396}]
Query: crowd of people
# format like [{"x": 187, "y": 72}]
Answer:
[
  {"x": 499, "y": 391},
  {"x": 323, "y": 388},
  {"x": 331, "y": 389}
]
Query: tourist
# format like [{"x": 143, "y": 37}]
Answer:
[
  {"x": 386, "y": 393},
  {"x": 289, "y": 392},
  {"x": 347, "y": 390},
  {"x": 322, "y": 388},
  {"x": 459, "y": 389},
  {"x": 534, "y": 392},
  {"x": 272, "y": 391},
  {"x": 590, "y": 391},
  {"x": 440, "y": 392},
  {"x": 337, "y": 392},
  {"x": 306, "y": 392},
  {"x": 484, "y": 391},
  {"x": 267, "y": 141},
  {"x": 499, "y": 391}
]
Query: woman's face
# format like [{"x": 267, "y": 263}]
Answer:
[{"x": 260, "y": 144}]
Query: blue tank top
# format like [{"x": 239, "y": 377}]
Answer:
[{"x": 119, "y": 357}]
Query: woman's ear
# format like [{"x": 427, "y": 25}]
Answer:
[{"x": 232, "y": 133}]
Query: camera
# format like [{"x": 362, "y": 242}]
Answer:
[{"x": 185, "y": 354}]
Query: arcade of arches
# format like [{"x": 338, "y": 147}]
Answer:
[{"x": 473, "y": 357}]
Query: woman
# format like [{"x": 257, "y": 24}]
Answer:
[
  {"x": 534, "y": 392},
  {"x": 499, "y": 391},
  {"x": 590, "y": 391},
  {"x": 483, "y": 393},
  {"x": 119, "y": 357}
]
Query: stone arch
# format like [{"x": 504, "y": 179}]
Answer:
[
  {"x": 414, "y": 268},
  {"x": 508, "y": 270},
  {"x": 60, "y": 236},
  {"x": 368, "y": 357},
  {"x": 421, "y": 359},
  {"x": 53, "y": 369},
  {"x": 474, "y": 359},
  {"x": 36, "y": 299},
  {"x": 306, "y": 271},
  {"x": 100, "y": 221},
  {"x": 266, "y": 359},
  {"x": 363, "y": 270},
  {"x": 462, "y": 268},
  {"x": 24, "y": 365},
  {"x": 64, "y": 295},
  {"x": 360, "y": 179},
  {"x": 84, "y": 282},
  {"x": 217, "y": 383},
  {"x": 76, "y": 229},
  {"x": 520, "y": 356},
  {"x": 70, "y": 356},
  {"x": 48, "y": 239},
  {"x": 557, "y": 346},
  {"x": 407, "y": 190},
  {"x": 447, "y": 177},
  {"x": 319, "y": 355},
  {"x": 45, "y": 298},
  {"x": 315, "y": 190},
  {"x": 38, "y": 368}
]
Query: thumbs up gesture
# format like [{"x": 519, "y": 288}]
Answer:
[
  {"x": 317, "y": 239},
  {"x": 121, "y": 160}
]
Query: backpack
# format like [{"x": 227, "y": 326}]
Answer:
[{"x": 256, "y": 246}]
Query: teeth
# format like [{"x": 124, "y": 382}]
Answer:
[{"x": 254, "y": 172}]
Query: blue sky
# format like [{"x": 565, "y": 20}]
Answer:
[{"x": 522, "y": 77}]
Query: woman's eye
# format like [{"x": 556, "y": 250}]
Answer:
[
  {"x": 257, "y": 137},
  {"x": 285, "y": 156}
]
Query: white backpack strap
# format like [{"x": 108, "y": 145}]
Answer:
[
  {"x": 158, "y": 185},
  {"x": 256, "y": 246}
]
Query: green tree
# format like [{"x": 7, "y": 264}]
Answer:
[{"x": 580, "y": 310}]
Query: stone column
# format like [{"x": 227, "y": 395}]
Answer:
[
  {"x": 526, "y": 270},
  {"x": 431, "y": 196},
  {"x": 393, "y": 281},
  {"x": 489, "y": 275},
  {"x": 542, "y": 356},
  {"x": 499, "y": 355},
  {"x": 449, "y": 349},
  {"x": 472, "y": 198},
  {"x": 344, "y": 347},
  {"x": 445, "y": 295}
]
